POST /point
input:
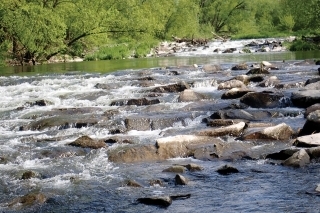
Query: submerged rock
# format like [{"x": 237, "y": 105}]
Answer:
[
  {"x": 175, "y": 169},
  {"x": 31, "y": 199},
  {"x": 227, "y": 170},
  {"x": 240, "y": 67},
  {"x": 164, "y": 201}
]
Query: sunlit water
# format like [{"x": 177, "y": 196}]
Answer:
[{"x": 88, "y": 182}]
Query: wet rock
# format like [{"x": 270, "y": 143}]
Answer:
[
  {"x": 312, "y": 124},
  {"x": 279, "y": 132},
  {"x": 181, "y": 145},
  {"x": 229, "y": 50},
  {"x": 222, "y": 122},
  {"x": 190, "y": 95},
  {"x": 155, "y": 121},
  {"x": 311, "y": 81},
  {"x": 156, "y": 182},
  {"x": 282, "y": 155},
  {"x": 31, "y": 199},
  {"x": 164, "y": 201},
  {"x": 311, "y": 108},
  {"x": 227, "y": 170},
  {"x": 231, "y": 84},
  {"x": 175, "y": 169},
  {"x": 192, "y": 167},
  {"x": 298, "y": 159},
  {"x": 314, "y": 152},
  {"x": 241, "y": 114},
  {"x": 235, "y": 93},
  {"x": 134, "y": 153},
  {"x": 258, "y": 71},
  {"x": 87, "y": 142},
  {"x": 233, "y": 130},
  {"x": 62, "y": 122},
  {"x": 240, "y": 67},
  {"x": 171, "y": 88},
  {"x": 289, "y": 85},
  {"x": 211, "y": 68},
  {"x": 132, "y": 183},
  {"x": 263, "y": 100},
  {"x": 308, "y": 140},
  {"x": 271, "y": 81},
  {"x": 249, "y": 78},
  {"x": 28, "y": 175},
  {"x": 305, "y": 98},
  {"x": 180, "y": 180},
  {"x": 313, "y": 86},
  {"x": 136, "y": 102},
  {"x": 38, "y": 103}
]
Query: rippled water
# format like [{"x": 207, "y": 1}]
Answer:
[{"x": 85, "y": 181}]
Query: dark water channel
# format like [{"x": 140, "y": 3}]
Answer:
[{"x": 76, "y": 179}]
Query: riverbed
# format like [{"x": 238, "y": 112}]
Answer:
[{"x": 74, "y": 179}]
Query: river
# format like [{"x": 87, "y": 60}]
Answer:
[{"x": 83, "y": 180}]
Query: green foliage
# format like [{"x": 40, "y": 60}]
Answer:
[{"x": 300, "y": 45}]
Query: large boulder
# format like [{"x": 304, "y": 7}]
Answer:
[
  {"x": 305, "y": 98},
  {"x": 263, "y": 100},
  {"x": 279, "y": 132},
  {"x": 312, "y": 125},
  {"x": 190, "y": 95},
  {"x": 231, "y": 84},
  {"x": 298, "y": 159}
]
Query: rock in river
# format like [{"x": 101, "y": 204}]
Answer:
[{"x": 298, "y": 159}]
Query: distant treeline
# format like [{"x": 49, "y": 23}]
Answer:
[{"x": 36, "y": 30}]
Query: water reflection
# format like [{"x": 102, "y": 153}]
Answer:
[{"x": 124, "y": 64}]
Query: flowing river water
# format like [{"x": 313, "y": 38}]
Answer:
[{"x": 83, "y": 180}]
